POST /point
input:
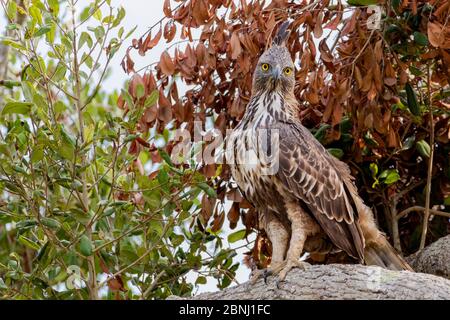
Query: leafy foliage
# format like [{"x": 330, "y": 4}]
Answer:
[{"x": 82, "y": 215}]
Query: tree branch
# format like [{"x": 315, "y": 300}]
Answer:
[
  {"x": 350, "y": 281},
  {"x": 340, "y": 282}
]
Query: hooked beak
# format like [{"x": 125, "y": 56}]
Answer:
[{"x": 276, "y": 72}]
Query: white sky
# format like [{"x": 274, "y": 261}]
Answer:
[{"x": 143, "y": 14}]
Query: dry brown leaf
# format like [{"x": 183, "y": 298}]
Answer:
[
  {"x": 200, "y": 11},
  {"x": 378, "y": 50},
  {"x": 170, "y": 29},
  {"x": 116, "y": 284},
  {"x": 234, "y": 195},
  {"x": 207, "y": 208},
  {"x": 439, "y": 36},
  {"x": 166, "y": 9},
  {"x": 150, "y": 82},
  {"x": 200, "y": 52},
  {"x": 166, "y": 64},
  {"x": 150, "y": 114},
  {"x": 221, "y": 122},
  {"x": 151, "y": 44},
  {"x": 235, "y": 45},
  {"x": 165, "y": 108},
  {"x": 358, "y": 77},
  {"x": 121, "y": 102},
  {"x": 325, "y": 53},
  {"x": 209, "y": 170},
  {"x": 233, "y": 215},
  {"x": 372, "y": 92},
  {"x": 318, "y": 31},
  {"x": 218, "y": 222},
  {"x": 134, "y": 82},
  {"x": 390, "y": 81}
]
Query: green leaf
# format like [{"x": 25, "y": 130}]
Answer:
[
  {"x": 51, "y": 223},
  {"x": 12, "y": 26},
  {"x": 165, "y": 156},
  {"x": 26, "y": 224},
  {"x": 209, "y": 191},
  {"x": 85, "y": 38},
  {"x": 236, "y": 236},
  {"x": 362, "y": 2},
  {"x": 60, "y": 73},
  {"x": 17, "y": 108},
  {"x": 2, "y": 285},
  {"x": 98, "y": 14},
  {"x": 373, "y": 169},
  {"x": 424, "y": 148},
  {"x": 118, "y": 19},
  {"x": 85, "y": 13},
  {"x": 11, "y": 10},
  {"x": 130, "y": 137},
  {"x": 50, "y": 36},
  {"x": 320, "y": 133},
  {"x": 12, "y": 43},
  {"x": 396, "y": 4},
  {"x": 29, "y": 243},
  {"x": 67, "y": 138},
  {"x": 130, "y": 32},
  {"x": 59, "y": 107},
  {"x": 127, "y": 97},
  {"x": 54, "y": 7},
  {"x": 36, "y": 14},
  {"x": 140, "y": 91},
  {"x": 201, "y": 280},
  {"x": 10, "y": 84},
  {"x": 42, "y": 30},
  {"x": 85, "y": 246},
  {"x": 390, "y": 176},
  {"x": 413, "y": 104},
  {"x": 420, "y": 38},
  {"x": 415, "y": 71},
  {"x": 37, "y": 154},
  {"x": 447, "y": 201},
  {"x": 408, "y": 143},
  {"x": 336, "y": 152},
  {"x": 40, "y": 102},
  {"x": 152, "y": 99}
]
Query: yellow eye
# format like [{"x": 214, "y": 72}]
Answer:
[
  {"x": 265, "y": 67},
  {"x": 287, "y": 71}
]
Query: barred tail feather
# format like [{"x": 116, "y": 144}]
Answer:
[
  {"x": 381, "y": 253},
  {"x": 377, "y": 249}
]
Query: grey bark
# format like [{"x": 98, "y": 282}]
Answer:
[
  {"x": 434, "y": 259},
  {"x": 340, "y": 281}
]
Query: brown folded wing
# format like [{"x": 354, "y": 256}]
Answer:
[{"x": 317, "y": 179}]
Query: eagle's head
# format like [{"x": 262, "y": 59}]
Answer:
[{"x": 275, "y": 68}]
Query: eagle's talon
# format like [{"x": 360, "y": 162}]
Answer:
[
  {"x": 257, "y": 274},
  {"x": 291, "y": 264},
  {"x": 267, "y": 272},
  {"x": 278, "y": 283}
]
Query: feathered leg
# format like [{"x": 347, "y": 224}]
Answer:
[
  {"x": 302, "y": 226},
  {"x": 279, "y": 237}
]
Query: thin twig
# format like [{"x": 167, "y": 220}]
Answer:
[
  {"x": 423, "y": 209},
  {"x": 153, "y": 284},
  {"x": 430, "y": 167}
]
